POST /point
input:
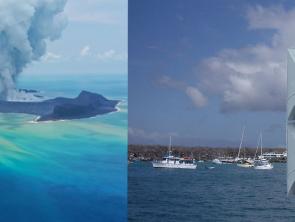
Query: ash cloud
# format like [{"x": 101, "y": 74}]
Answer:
[{"x": 25, "y": 27}]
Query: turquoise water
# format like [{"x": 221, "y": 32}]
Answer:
[
  {"x": 66, "y": 170},
  {"x": 226, "y": 193}
]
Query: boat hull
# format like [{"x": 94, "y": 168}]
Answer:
[
  {"x": 216, "y": 161},
  {"x": 245, "y": 165},
  {"x": 174, "y": 166},
  {"x": 268, "y": 167},
  {"x": 227, "y": 162}
]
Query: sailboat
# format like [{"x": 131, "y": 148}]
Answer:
[
  {"x": 261, "y": 163},
  {"x": 237, "y": 159},
  {"x": 243, "y": 162},
  {"x": 170, "y": 161}
]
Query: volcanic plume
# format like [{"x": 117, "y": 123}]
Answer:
[{"x": 25, "y": 27}]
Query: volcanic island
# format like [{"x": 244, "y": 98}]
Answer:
[{"x": 85, "y": 105}]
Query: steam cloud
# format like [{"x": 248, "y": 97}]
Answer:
[{"x": 25, "y": 27}]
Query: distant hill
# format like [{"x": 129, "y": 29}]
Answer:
[{"x": 152, "y": 152}]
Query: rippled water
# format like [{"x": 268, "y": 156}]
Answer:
[{"x": 225, "y": 193}]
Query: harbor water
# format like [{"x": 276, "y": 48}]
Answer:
[{"x": 225, "y": 193}]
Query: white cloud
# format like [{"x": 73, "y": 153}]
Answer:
[
  {"x": 198, "y": 99},
  {"x": 167, "y": 81},
  {"x": 105, "y": 56},
  {"x": 193, "y": 93},
  {"x": 253, "y": 77},
  {"x": 85, "y": 51},
  {"x": 50, "y": 56},
  {"x": 111, "y": 55}
]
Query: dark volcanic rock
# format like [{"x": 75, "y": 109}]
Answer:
[
  {"x": 28, "y": 90},
  {"x": 87, "y": 104}
]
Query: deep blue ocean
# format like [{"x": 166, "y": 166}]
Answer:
[
  {"x": 65, "y": 171},
  {"x": 226, "y": 193}
]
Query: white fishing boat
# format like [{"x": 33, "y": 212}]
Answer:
[
  {"x": 170, "y": 161},
  {"x": 243, "y": 162},
  {"x": 261, "y": 163}
]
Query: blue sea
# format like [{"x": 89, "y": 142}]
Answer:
[
  {"x": 65, "y": 171},
  {"x": 226, "y": 193}
]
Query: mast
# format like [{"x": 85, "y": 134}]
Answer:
[
  {"x": 261, "y": 144},
  {"x": 241, "y": 142},
  {"x": 170, "y": 147},
  {"x": 258, "y": 142}
]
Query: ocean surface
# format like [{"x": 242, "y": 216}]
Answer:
[
  {"x": 65, "y": 171},
  {"x": 226, "y": 193}
]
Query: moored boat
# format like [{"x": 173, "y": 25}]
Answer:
[
  {"x": 243, "y": 162},
  {"x": 170, "y": 161},
  {"x": 261, "y": 163}
]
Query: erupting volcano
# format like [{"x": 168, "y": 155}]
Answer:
[{"x": 25, "y": 28}]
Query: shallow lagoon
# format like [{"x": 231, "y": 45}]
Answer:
[{"x": 66, "y": 170}]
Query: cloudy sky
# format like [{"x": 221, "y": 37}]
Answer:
[
  {"x": 94, "y": 41},
  {"x": 201, "y": 71}
]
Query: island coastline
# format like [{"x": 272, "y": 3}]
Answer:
[{"x": 85, "y": 105}]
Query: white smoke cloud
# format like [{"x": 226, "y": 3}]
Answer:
[
  {"x": 254, "y": 77},
  {"x": 25, "y": 26}
]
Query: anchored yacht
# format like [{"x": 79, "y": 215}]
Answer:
[
  {"x": 261, "y": 163},
  {"x": 170, "y": 161},
  {"x": 243, "y": 162}
]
